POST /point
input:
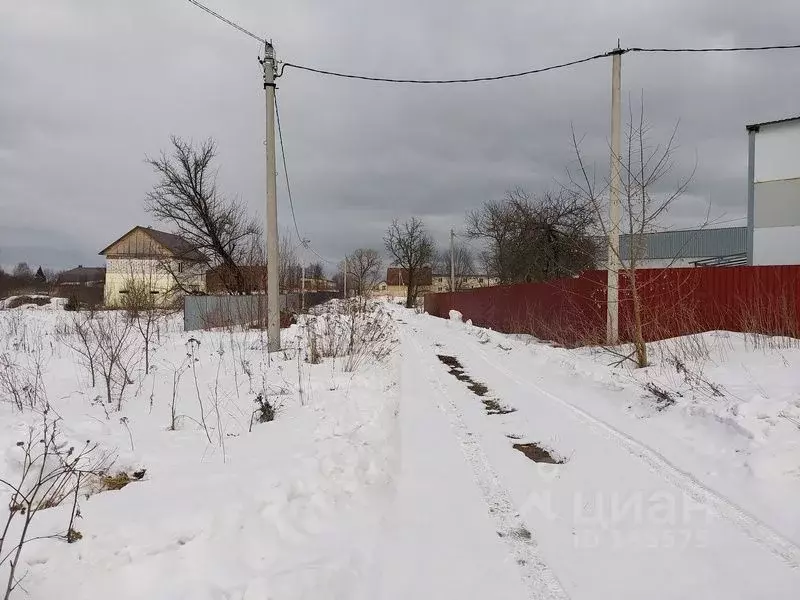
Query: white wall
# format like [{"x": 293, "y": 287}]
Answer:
[
  {"x": 776, "y": 245},
  {"x": 778, "y": 151},
  {"x": 776, "y": 203}
]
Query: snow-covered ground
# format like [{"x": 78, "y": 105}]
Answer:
[{"x": 395, "y": 475}]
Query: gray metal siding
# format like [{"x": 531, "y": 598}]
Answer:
[
  {"x": 777, "y": 203},
  {"x": 206, "y": 312},
  {"x": 701, "y": 243}
]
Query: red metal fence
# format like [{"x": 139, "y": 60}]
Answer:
[{"x": 674, "y": 302}]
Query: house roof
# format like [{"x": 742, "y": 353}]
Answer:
[
  {"x": 757, "y": 126},
  {"x": 81, "y": 274},
  {"x": 177, "y": 246}
]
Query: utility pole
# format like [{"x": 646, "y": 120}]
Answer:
[
  {"x": 452, "y": 262},
  {"x": 612, "y": 316},
  {"x": 273, "y": 293},
  {"x": 304, "y": 242}
]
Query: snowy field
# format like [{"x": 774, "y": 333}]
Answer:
[{"x": 408, "y": 457}]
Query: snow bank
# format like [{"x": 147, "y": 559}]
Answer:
[
  {"x": 456, "y": 316},
  {"x": 233, "y": 509}
]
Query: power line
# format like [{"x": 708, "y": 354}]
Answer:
[
  {"x": 535, "y": 71},
  {"x": 728, "y": 49},
  {"x": 447, "y": 81},
  {"x": 304, "y": 242},
  {"x": 227, "y": 21},
  {"x": 491, "y": 77},
  {"x": 285, "y": 172},
  {"x": 486, "y": 78}
]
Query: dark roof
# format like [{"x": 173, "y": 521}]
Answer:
[
  {"x": 177, "y": 245},
  {"x": 399, "y": 276},
  {"x": 82, "y": 274},
  {"x": 757, "y": 126}
]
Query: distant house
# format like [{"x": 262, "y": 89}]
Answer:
[
  {"x": 160, "y": 263},
  {"x": 84, "y": 276},
  {"x": 319, "y": 284},
  {"x": 83, "y": 285},
  {"x": 441, "y": 282},
  {"x": 397, "y": 281},
  {"x": 221, "y": 279}
]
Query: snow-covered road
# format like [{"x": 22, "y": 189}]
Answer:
[
  {"x": 460, "y": 464},
  {"x": 475, "y": 518}
]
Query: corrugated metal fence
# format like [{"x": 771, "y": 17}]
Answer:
[
  {"x": 674, "y": 302},
  {"x": 207, "y": 312}
]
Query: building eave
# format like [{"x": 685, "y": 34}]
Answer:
[{"x": 757, "y": 126}]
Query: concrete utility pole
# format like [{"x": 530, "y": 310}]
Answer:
[
  {"x": 273, "y": 293},
  {"x": 452, "y": 262},
  {"x": 303, "y": 288},
  {"x": 304, "y": 242},
  {"x": 612, "y": 316}
]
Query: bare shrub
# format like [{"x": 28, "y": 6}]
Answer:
[
  {"x": 770, "y": 323},
  {"x": 51, "y": 473},
  {"x": 144, "y": 311},
  {"x": 116, "y": 354},
  {"x": 79, "y": 336},
  {"x": 21, "y": 379},
  {"x": 177, "y": 373},
  {"x": 191, "y": 350},
  {"x": 351, "y": 330}
]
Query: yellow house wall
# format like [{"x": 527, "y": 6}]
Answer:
[{"x": 120, "y": 272}]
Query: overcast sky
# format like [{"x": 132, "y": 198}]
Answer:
[{"x": 88, "y": 87}]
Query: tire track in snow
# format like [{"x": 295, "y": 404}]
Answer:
[
  {"x": 538, "y": 578},
  {"x": 752, "y": 526}
]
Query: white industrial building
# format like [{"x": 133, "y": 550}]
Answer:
[
  {"x": 721, "y": 247},
  {"x": 773, "y": 200}
]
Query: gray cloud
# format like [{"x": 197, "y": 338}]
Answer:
[{"x": 92, "y": 87}]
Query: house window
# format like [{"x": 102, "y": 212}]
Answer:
[
  {"x": 180, "y": 266},
  {"x": 123, "y": 291},
  {"x": 153, "y": 291}
]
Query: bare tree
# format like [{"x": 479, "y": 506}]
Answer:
[
  {"x": 315, "y": 271},
  {"x": 412, "y": 249},
  {"x": 363, "y": 270},
  {"x": 289, "y": 269},
  {"x": 536, "y": 238},
  {"x": 186, "y": 196},
  {"x": 22, "y": 271},
  {"x": 463, "y": 265},
  {"x": 644, "y": 202}
]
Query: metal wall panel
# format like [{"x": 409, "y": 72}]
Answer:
[
  {"x": 777, "y": 203},
  {"x": 695, "y": 244}
]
